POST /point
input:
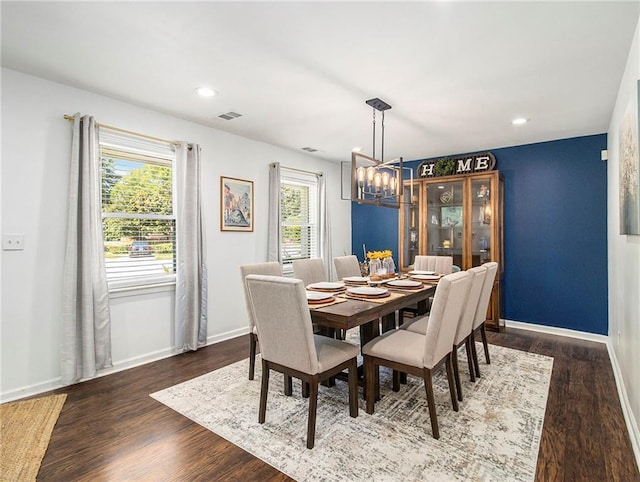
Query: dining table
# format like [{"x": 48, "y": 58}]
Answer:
[{"x": 365, "y": 313}]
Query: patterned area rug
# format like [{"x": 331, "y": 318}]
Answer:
[{"x": 494, "y": 437}]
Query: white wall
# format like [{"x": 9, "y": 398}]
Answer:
[
  {"x": 35, "y": 150},
  {"x": 624, "y": 258}
]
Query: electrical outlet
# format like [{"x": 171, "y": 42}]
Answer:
[{"x": 13, "y": 242}]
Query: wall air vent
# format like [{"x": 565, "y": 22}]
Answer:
[
  {"x": 229, "y": 115},
  {"x": 309, "y": 149}
]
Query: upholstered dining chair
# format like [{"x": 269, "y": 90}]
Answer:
[
  {"x": 464, "y": 331},
  {"x": 288, "y": 345},
  {"x": 419, "y": 355},
  {"x": 481, "y": 313},
  {"x": 310, "y": 270},
  {"x": 439, "y": 264},
  {"x": 347, "y": 266},
  {"x": 271, "y": 268}
]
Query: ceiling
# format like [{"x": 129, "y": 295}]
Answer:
[{"x": 455, "y": 73}]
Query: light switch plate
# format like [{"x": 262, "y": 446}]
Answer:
[{"x": 13, "y": 242}]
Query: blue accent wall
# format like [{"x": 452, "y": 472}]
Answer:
[{"x": 555, "y": 232}]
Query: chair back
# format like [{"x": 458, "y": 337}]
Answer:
[
  {"x": 485, "y": 295},
  {"x": 272, "y": 268},
  {"x": 468, "y": 315},
  {"x": 282, "y": 317},
  {"x": 439, "y": 264},
  {"x": 347, "y": 266},
  {"x": 310, "y": 270},
  {"x": 448, "y": 302}
]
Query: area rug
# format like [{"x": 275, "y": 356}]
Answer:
[
  {"x": 494, "y": 437},
  {"x": 25, "y": 430}
]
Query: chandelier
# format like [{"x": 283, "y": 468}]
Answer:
[{"x": 376, "y": 181}]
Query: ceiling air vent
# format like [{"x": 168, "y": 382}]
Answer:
[
  {"x": 229, "y": 115},
  {"x": 309, "y": 149}
]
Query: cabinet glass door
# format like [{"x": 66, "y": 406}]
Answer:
[
  {"x": 481, "y": 213},
  {"x": 445, "y": 215},
  {"x": 411, "y": 216}
]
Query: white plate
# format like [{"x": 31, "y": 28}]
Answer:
[
  {"x": 367, "y": 290},
  {"x": 421, "y": 272},
  {"x": 355, "y": 279},
  {"x": 426, "y": 277},
  {"x": 326, "y": 285},
  {"x": 404, "y": 283},
  {"x": 318, "y": 295}
]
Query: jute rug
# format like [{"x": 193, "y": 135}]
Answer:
[
  {"x": 494, "y": 437},
  {"x": 25, "y": 430}
]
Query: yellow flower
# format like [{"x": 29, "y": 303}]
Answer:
[{"x": 379, "y": 254}]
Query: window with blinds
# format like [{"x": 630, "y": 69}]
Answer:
[
  {"x": 138, "y": 210},
  {"x": 299, "y": 214}
]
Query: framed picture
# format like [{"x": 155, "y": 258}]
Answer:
[
  {"x": 630, "y": 168},
  {"x": 236, "y": 204}
]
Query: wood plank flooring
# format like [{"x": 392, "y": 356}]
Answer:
[{"x": 110, "y": 429}]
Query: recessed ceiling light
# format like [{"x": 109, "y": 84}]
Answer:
[
  {"x": 519, "y": 121},
  {"x": 206, "y": 91},
  {"x": 441, "y": 187},
  {"x": 356, "y": 149}
]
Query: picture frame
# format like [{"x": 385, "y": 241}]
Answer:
[
  {"x": 236, "y": 204},
  {"x": 629, "y": 167}
]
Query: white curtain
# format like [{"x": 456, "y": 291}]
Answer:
[
  {"x": 86, "y": 324},
  {"x": 274, "y": 251},
  {"x": 325, "y": 228},
  {"x": 191, "y": 269}
]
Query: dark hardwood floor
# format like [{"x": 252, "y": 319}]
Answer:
[{"x": 110, "y": 429}]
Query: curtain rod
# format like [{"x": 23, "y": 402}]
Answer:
[
  {"x": 118, "y": 129},
  {"x": 301, "y": 170}
]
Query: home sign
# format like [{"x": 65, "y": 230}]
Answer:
[{"x": 470, "y": 164}]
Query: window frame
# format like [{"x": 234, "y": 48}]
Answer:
[
  {"x": 129, "y": 147},
  {"x": 295, "y": 177}
]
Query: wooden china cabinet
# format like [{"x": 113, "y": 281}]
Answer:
[{"x": 459, "y": 216}]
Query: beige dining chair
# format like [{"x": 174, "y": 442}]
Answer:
[
  {"x": 347, "y": 266},
  {"x": 288, "y": 345},
  {"x": 481, "y": 313},
  {"x": 271, "y": 268},
  {"x": 310, "y": 270},
  {"x": 464, "y": 330},
  {"x": 439, "y": 264},
  {"x": 419, "y": 355}
]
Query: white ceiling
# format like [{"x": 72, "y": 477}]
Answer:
[{"x": 456, "y": 73}]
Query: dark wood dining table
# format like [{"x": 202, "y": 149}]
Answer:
[{"x": 365, "y": 313}]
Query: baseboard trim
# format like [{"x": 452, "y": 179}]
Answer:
[
  {"x": 54, "y": 384},
  {"x": 552, "y": 330},
  {"x": 632, "y": 424}
]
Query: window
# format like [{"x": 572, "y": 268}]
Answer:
[
  {"x": 138, "y": 214},
  {"x": 299, "y": 215}
]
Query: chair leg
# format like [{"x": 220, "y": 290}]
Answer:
[
  {"x": 467, "y": 347},
  {"x": 313, "y": 406},
  {"x": 253, "y": 341},
  {"x": 369, "y": 383},
  {"x": 288, "y": 386},
  {"x": 305, "y": 389},
  {"x": 450, "y": 379},
  {"x": 428, "y": 387},
  {"x": 264, "y": 389},
  {"x": 475, "y": 355},
  {"x": 396, "y": 381},
  {"x": 483, "y": 333},
  {"x": 353, "y": 388},
  {"x": 403, "y": 378},
  {"x": 456, "y": 372}
]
